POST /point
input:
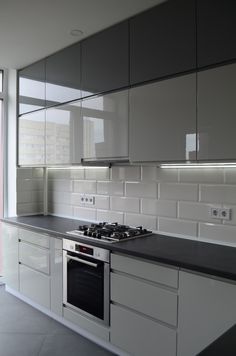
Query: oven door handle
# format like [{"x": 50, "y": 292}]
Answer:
[{"x": 82, "y": 261}]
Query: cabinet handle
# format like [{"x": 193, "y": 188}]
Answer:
[{"x": 82, "y": 261}]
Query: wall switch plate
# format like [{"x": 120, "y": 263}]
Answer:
[{"x": 225, "y": 213}]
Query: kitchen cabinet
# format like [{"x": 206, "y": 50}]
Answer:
[
  {"x": 56, "y": 275},
  {"x": 10, "y": 255},
  {"x": 105, "y": 126},
  {"x": 63, "y": 79},
  {"x": 163, "y": 41},
  {"x": 216, "y": 113},
  {"x": 144, "y": 306},
  {"x": 31, "y": 90},
  {"x": 64, "y": 134},
  {"x": 163, "y": 120},
  {"x": 105, "y": 60},
  {"x": 31, "y": 138},
  {"x": 216, "y": 31},
  {"x": 207, "y": 308}
]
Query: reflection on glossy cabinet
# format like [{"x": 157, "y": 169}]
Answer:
[
  {"x": 31, "y": 138},
  {"x": 10, "y": 255},
  {"x": 56, "y": 275},
  {"x": 64, "y": 134},
  {"x": 163, "y": 120},
  {"x": 216, "y": 113},
  {"x": 105, "y": 126},
  {"x": 63, "y": 76},
  {"x": 32, "y": 87}
]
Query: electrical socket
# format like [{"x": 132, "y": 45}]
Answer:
[
  {"x": 215, "y": 212},
  {"x": 88, "y": 199},
  {"x": 225, "y": 213}
]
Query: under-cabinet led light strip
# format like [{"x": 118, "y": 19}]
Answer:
[
  {"x": 200, "y": 165},
  {"x": 78, "y": 167}
]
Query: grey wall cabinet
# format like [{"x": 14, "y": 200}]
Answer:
[
  {"x": 163, "y": 120},
  {"x": 207, "y": 308},
  {"x": 105, "y": 126},
  {"x": 63, "y": 80},
  {"x": 105, "y": 60},
  {"x": 216, "y": 31},
  {"x": 32, "y": 87},
  {"x": 64, "y": 134},
  {"x": 31, "y": 138},
  {"x": 10, "y": 255},
  {"x": 163, "y": 41},
  {"x": 216, "y": 113}
]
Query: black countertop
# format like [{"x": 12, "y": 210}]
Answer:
[{"x": 217, "y": 260}]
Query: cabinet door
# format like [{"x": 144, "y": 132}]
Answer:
[
  {"x": 216, "y": 31},
  {"x": 10, "y": 256},
  {"x": 31, "y": 138},
  {"x": 56, "y": 276},
  {"x": 63, "y": 76},
  {"x": 163, "y": 41},
  {"x": 105, "y": 126},
  {"x": 216, "y": 113},
  {"x": 32, "y": 87},
  {"x": 207, "y": 308},
  {"x": 34, "y": 257},
  {"x": 163, "y": 120},
  {"x": 105, "y": 62},
  {"x": 64, "y": 134}
]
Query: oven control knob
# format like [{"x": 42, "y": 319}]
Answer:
[
  {"x": 94, "y": 234},
  {"x": 99, "y": 236},
  {"x": 90, "y": 233},
  {"x": 85, "y": 233}
]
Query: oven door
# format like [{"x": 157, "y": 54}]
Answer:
[{"x": 86, "y": 286}]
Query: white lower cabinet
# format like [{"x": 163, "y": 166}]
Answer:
[
  {"x": 56, "y": 276},
  {"x": 207, "y": 308},
  {"x": 144, "y": 306}
]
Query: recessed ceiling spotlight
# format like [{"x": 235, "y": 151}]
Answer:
[{"x": 76, "y": 32}]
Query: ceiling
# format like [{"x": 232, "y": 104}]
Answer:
[{"x": 33, "y": 29}]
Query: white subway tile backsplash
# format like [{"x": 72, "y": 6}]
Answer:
[
  {"x": 77, "y": 173},
  {"x": 172, "y": 191},
  {"x": 24, "y": 196},
  {"x": 37, "y": 196},
  {"x": 58, "y": 173},
  {"x": 60, "y": 209},
  {"x": 218, "y": 233},
  {"x": 166, "y": 208},
  {"x": 148, "y": 173},
  {"x": 110, "y": 188},
  {"x": 61, "y": 185},
  {"x": 147, "y": 221},
  {"x": 37, "y": 184},
  {"x": 37, "y": 172},
  {"x": 102, "y": 173},
  {"x": 218, "y": 193},
  {"x": 29, "y": 208},
  {"x": 205, "y": 175},
  {"x": 85, "y": 186},
  {"x": 125, "y": 204},
  {"x": 139, "y": 190},
  {"x": 196, "y": 211},
  {"x": 230, "y": 175},
  {"x": 24, "y": 173},
  {"x": 102, "y": 202},
  {"x": 167, "y": 175},
  {"x": 85, "y": 213},
  {"x": 126, "y": 173},
  {"x": 59, "y": 197},
  {"x": 76, "y": 199},
  {"x": 110, "y": 216},
  {"x": 177, "y": 226},
  {"x": 24, "y": 184}
]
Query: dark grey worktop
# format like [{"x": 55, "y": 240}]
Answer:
[{"x": 197, "y": 256}]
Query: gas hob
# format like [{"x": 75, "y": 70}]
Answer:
[{"x": 109, "y": 232}]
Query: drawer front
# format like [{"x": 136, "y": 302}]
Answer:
[
  {"x": 42, "y": 240},
  {"x": 139, "y": 335},
  {"x": 86, "y": 324},
  {"x": 146, "y": 270},
  {"x": 35, "y": 257},
  {"x": 145, "y": 298},
  {"x": 35, "y": 286}
]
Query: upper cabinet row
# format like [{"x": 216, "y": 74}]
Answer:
[{"x": 177, "y": 36}]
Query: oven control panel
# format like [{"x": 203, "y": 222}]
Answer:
[{"x": 86, "y": 250}]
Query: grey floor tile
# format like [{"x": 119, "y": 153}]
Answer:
[
  {"x": 71, "y": 345},
  {"x": 20, "y": 344}
]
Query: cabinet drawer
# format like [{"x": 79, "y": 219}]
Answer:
[
  {"x": 86, "y": 324},
  {"x": 35, "y": 286},
  {"x": 145, "y": 298},
  {"x": 146, "y": 270},
  {"x": 34, "y": 238},
  {"x": 139, "y": 335},
  {"x": 35, "y": 257}
]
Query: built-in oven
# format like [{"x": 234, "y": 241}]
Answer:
[{"x": 86, "y": 272}]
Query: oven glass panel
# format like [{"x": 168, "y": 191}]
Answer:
[{"x": 85, "y": 287}]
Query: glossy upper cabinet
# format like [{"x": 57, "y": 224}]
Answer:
[
  {"x": 217, "y": 113},
  {"x": 63, "y": 76},
  {"x": 31, "y": 138},
  {"x": 163, "y": 41},
  {"x": 163, "y": 120},
  {"x": 105, "y": 126},
  {"x": 216, "y": 31},
  {"x": 105, "y": 60},
  {"x": 32, "y": 87},
  {"x": 63, "y": 134}
]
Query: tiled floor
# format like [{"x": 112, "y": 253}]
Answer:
[{"x": 25, "y": 331}]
